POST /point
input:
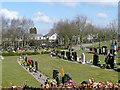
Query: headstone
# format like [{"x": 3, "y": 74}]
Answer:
[
  {"x": 55, "y": 73},
  {"x": 75, "y": 56},
  {"x": 104, "y": 50},
  {"x": 32, "y": 63},
  {"x": 83, "y": 58},
  {"x": 110, "y": 60},
  {"x": 72, "y": 49},
  {"x": 100, "y": 51},
  {"x": 90, "y": 49},
  {"x": 112, "y": 52},
  {"x": 70, "y": 55},
  {"x": 95, "y": 59},
  {"x": 115, "y": 42},
  {"x": 26, "y": 59},
  {"x": 62, "y": 53},
  {"x": 36, "y": 65}
]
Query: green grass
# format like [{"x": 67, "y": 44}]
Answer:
[
  {"x": 78, "y": 72},
  {"x": 89, "y": 56},
  {"x": 13, "y": 72}
]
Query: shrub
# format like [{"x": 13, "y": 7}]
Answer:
[
  {"x": 45, "y": 52},
  {"x": 18, "y": 54}
]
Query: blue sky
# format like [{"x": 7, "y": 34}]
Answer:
[{"x": 45, "y": 14}]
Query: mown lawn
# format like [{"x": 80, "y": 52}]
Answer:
[
  {"x": 13, "y": 72},
  {"x": 78, "y": 72},
  {"x": 89, "y": 56}
]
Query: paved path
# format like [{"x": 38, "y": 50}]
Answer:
[
  {"x": 41, "y": 79},
  {"x": 86, "y": 45}
]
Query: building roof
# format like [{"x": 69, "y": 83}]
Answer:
[
  {"x": 36, "y": 35},
  {"x": 50, "y": 33}
]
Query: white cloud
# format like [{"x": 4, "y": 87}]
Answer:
[
  {"x": 70, "y": 4},
  {"x": 41, "y": 17},
  {"x": 102, "y": 15},
  {"x": 103, "y": 4},
  {"x": 8, "y": 14}
]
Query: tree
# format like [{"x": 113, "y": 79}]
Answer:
[{"x": 33, "y": 30}]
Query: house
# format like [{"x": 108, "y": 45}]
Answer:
[
  {"x": 36, "y": 37},
  {"x": 52, "y": 37}
]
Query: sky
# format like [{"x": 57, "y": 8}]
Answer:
[{"x": 45, "y": 14}]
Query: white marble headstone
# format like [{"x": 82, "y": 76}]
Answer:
[{"x": 83, "y": 58}]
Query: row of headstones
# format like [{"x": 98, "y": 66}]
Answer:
[
  {"x": 104, "y": 50},
  {"x": 109, "y": 60},
  {"x": 69, "y": 54},
  {"x": 31, "y": 63},
  {"x": 65, "y": 78}
]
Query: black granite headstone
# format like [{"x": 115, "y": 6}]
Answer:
[
  {"x": 100, "y": 51},
  {"x": 55, "y": 73},
  {"x": 32, "y": 63},
  {"x": 26, "y": 59},
  {"x": 68, "y": 55},
  {"x": 75, "y": 56},
  {"x": 95, "y": 59},
  {"x": 36, "y": 65}
]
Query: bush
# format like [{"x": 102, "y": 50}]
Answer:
[
  {"x": 45, "y": 52},
  {"x": 18, "y": 54}
]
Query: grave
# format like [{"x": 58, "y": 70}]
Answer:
[
  {"x": 104, "y": 50},
  {"x": 110, "y": 60},
  {"x": 83, "y": 58},
  {"x": 32, "y": 63},
  {"x": 95, "y": 59},
  {"x": 36, "y": 65},
  {"x": 63, "y": 54},
  {"x": 112, "y": 51},
  {"x": 65, "y": 78},
  {"x": 26, "y": 58},
  {"x": 55, "y": 73},
  {"x": 100, "y": 51},
  {"x": 68, "y": 55},
  {"x": 75, "y": 56},
  {"x": 90, "y": 49}
]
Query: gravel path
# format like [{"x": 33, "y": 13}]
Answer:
[{"x": 41, "y": 79}]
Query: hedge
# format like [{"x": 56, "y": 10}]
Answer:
[
  {"x": 18, "y": 54},
  {"x": 47, "y": 52}
]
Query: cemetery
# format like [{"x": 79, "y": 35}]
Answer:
[
  {"x": 109, "y": 60},
  {"x": 76, "y": 64}
]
